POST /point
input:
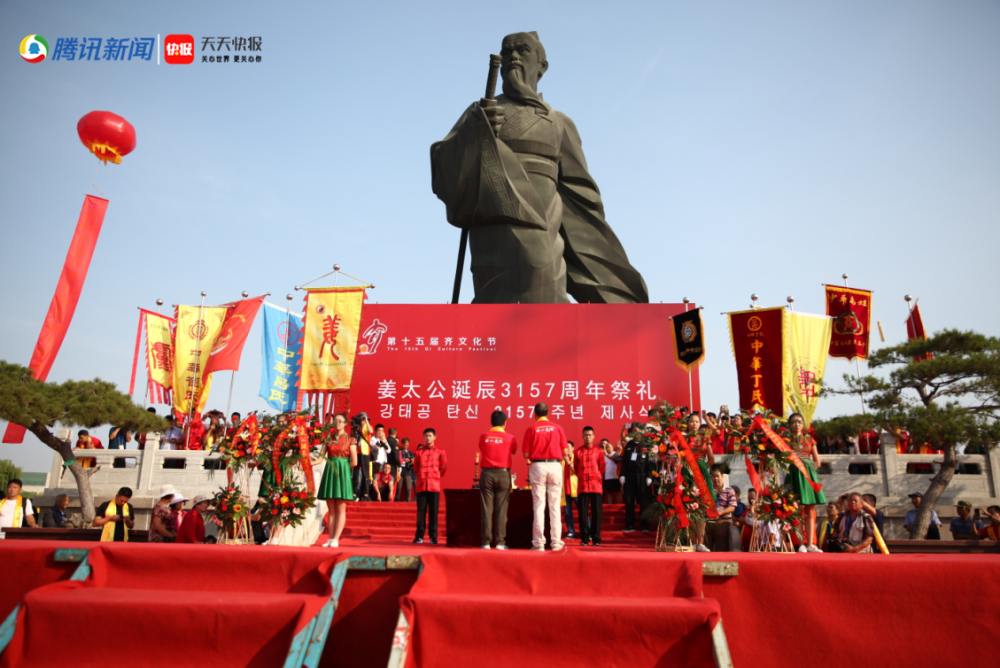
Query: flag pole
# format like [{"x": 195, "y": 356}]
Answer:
[
  {"x": 288, "y": 330},
  {"x": 690, "y": 390},
  {"x": 197, "y": 356},
  {"x": 232, "y": 379},
  {"x": 857, "y": 360}
]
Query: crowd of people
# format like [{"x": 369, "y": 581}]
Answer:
[{"x": 569, "y": 482}]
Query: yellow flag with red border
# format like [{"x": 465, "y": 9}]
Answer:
[
  {"x": 332, "y": 323},
  {"x": 197, "y": 330},
  {"x": 159, "y": 356},
  {"x": 806, "y": 353}
]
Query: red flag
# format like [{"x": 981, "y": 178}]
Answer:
[
  {"x": 229, "y": 345},
  {"x": 851, "y": 311},
  {"x": 63, "y": 305},
  {"x": 758, "y": 345},
  {"x": 915, "y": 330}
]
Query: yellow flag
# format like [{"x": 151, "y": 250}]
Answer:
[
  {"x": 805, "y": 360},
  {"x": 333, "y": 318},
  {"x": 159, "y": 355},
  {"x": 193, "y": 348}
]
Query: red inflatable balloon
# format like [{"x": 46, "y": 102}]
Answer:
[{"x": 108, "y": 136}]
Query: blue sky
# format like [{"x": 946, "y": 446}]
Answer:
[{"x": 740, "y": 147}]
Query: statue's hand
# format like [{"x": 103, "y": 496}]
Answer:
[{"x": 495, "y": 117}]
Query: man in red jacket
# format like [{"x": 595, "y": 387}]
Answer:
[
  {"x": 545, "y": 449},
  {"x": 589, "y": 460},
  {"x": 430, "y": 464},
  {"x": 496, "y": 447}
]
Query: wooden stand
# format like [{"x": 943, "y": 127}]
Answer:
[{"x": 664, "y": 545}]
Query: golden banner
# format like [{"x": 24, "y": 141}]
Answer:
[
  {"x": 192, "y": 350},
  {"x": 807, "y": 350},
  {"x": 332, "y": 321},
  {"x": 159, "y": 356}
]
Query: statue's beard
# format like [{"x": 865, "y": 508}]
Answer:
[{"x": 518, "y": 90}]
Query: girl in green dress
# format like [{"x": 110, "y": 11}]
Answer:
[
  {"x": 805, "y": 447},
  {"x": 335, "y": 487}
]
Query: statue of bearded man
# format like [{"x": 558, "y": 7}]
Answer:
[{"x": 514, "y": 174}]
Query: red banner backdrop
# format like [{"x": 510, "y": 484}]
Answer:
[
  {"x": 63, "y": 305},
  {"x": 758, "y": 344},
  {"x": 852, "y": 317},
  {"x": 450, "y": 366}
]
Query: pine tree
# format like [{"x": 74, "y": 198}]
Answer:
[
  {"x": 38, "y": 406},
  {"x": 946, "y": 401}
]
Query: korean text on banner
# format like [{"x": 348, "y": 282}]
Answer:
[
  {"x": 689, "y": 339},
  {"x": 67, "y": 295},
  {"x": 159, "y": 356},
  {"x": 281, "y": 353},
  {"x": 759, "y": 339},
  {"x": 852, "y": 316},
  {"x": 332, "y": 322},
  {"x": 193, "y": 347},
  {"x": 808, "y": 344},
  {"x": 229, "y": 345}
]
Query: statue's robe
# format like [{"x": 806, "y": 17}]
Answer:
[{"x": 536, "y": 220}]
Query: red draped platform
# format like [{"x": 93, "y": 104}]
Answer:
[{"x": 150, "y": 605}]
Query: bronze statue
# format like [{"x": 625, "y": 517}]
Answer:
[{"x": 513, "y": 173}]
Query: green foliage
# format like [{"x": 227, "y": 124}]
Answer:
[
  {"x": 8, "y": 471},
  {"x": 951, "y": 399},
  {"x": 88, "y": 403}
]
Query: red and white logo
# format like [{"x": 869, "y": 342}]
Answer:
[{"x": 178, "y": 49}]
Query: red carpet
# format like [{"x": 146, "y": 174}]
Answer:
[{"x": 781, "y": 610}]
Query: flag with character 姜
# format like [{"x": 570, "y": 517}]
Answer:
[{"x": 332, "y": 323}]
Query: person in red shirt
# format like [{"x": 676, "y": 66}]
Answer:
[
  {"x": 193, "y": 525},
  {"x": 868, "y": 443},
  {"x": 385, "y": 483},
  {"x": 496, "y": 448},
  {"x": 589, "y": 465},
  {"x": 545, "y": 449},
  {"x": 430, "y": 464},
  {"x": 194, "y": 433}
]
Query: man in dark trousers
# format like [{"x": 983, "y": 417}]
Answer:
[
  {"x": 496, "y": 448},
  {"x": 635, "y": 478},
  {"x": 393, "y": 452},
  {"x": 430, "y": 465},
  {"x": 589, "y": 465}
]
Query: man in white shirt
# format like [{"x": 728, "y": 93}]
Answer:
[{"x": 16, "y": 511}]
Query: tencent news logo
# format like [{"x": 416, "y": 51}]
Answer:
[{"x": 34, "y": 48}]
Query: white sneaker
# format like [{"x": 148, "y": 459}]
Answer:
[
  {"x": 328, "y": 543},
  {"x": 813, "y": 548},
  {"x": 537, "y": 549},
  {"x": 486, "y": 546},
  {"x": 802, "y": 548},
  {"x": 701, "y": 548}
]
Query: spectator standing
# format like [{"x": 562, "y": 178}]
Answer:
[
  {"x": 363, "y": 468},
  {"x": 430, "y": 465},
  {"x": 612, "y": 486},
  {"x": 140, "y": 438},
  {"x": 117, "y": 516},
  {"x": 194, "y": 434},
  {"x": 15, "y": 510},
  {"x": 545, "y": 449},
  {"x": 380, "y": 451},
  {"x": 933, "y": 529},
  {"x": 827, "y": 526},
  {"x": 173, "y": 440},
  {"x": 193, "y": 526},
  {"x": 965, "y": 526},
  {"x": 869, "y": 443},
  {"x": 385, "y": 484},
  {"x": 177, "y": 509},
  {"x": 992, "y": 530},
  {"x": 234, "y": 424},
  {"x": 162, "y": 526},
  {"x": 393, "y": 452},
  {"x": 84, "y": 441},
  {"x": 740, "y": 506},
  {"x": 856, "y": 528},
  {"x": 55, "y": 517},
  {"x": 117, "y": 440},
  {"x": 407, "y": 476},
  {"x": 635, "y": 476},
  {"x": 336, "y": 487},
  {"x": 589, "y": 465},
  {"x": 570, "y": 483},
  {"x": 496, "y": 448}
]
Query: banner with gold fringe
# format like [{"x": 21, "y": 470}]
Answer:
[
  {"x": 759, "y": 339},
  {"x": 332, "y": 320},
  {"x": 808, "y": 347},
  {"x": 689, "y": 340},
  {"x": 197, "y": 329},
  {"x": 159, "y": 356}
]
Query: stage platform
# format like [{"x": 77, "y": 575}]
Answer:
[{"x": 198, "y": 605}]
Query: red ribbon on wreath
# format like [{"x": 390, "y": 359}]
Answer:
[
  {"x": 306, "y": 463},
  {"x": 704, "y": 494},
  {"x": 276, "y": 454},
  {"x": 778, "y": 442}
]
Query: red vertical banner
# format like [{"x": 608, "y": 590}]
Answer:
[
  {"x": 915, "y": 330},
  {"x": 63, "y": 305},
  {"x": 851, "y": 311},
  {"x": 229, "y": 345},
  {"x": 758, "y": 339}
]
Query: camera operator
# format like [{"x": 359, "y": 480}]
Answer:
[{"x": 361, "y": 431}]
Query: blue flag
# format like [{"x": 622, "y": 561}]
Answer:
[{"x": 281, "y": 352}]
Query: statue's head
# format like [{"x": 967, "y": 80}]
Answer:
[{"x": 523, "y": 60}]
